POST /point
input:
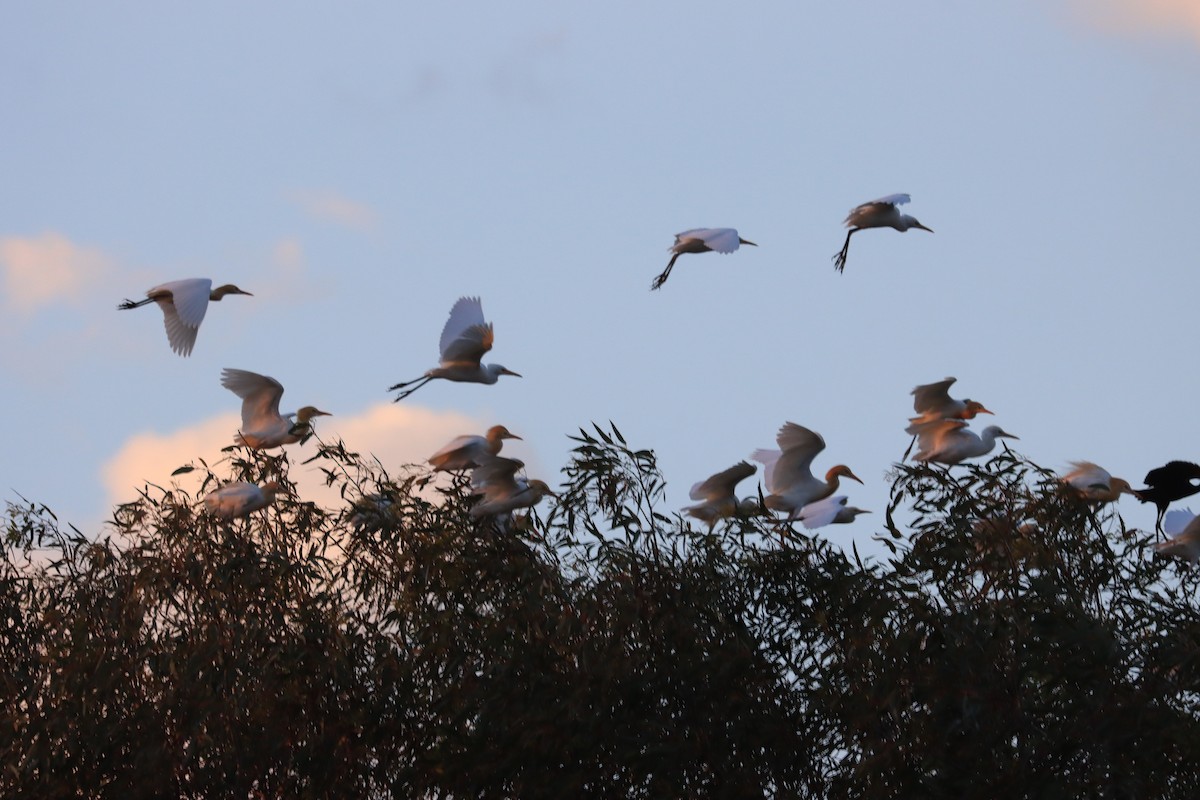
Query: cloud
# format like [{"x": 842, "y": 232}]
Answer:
[
  {"x": 396, "y": 435},
  {"x": 330, "y": 206},
  {"x": 49, "y": 270},
  {"x": 1125, "y": 17}
]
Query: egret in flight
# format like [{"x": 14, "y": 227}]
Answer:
[
  {"x": 947, "y": 441},
  {"x": 701, "y": 240},
  {"x": 1173, "y": 481},
  {"x": 263, "y": 427},
  {"x": 240, "y": 499},
  {"x": 1094, "y": 484},
  {"x": 1183, "y": 530},
  {"x": 502, "y": 491},
  {"x": 788, "y": 471},
  {"x": 717, "y": 497},
  {"x": 465, "y": 339},
  {"x": 465, "y": 452},
  {"x": 830, "y": 511},
  {"x": 183, "y": 304},
  {"x": 881, "y": 213},
  {"x": 932, "y": 401}
]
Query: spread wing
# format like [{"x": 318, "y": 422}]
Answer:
[
  {"x": 930, "y": 398},
  {"x": 465, "y": 331},
  {"x": 800, "y": 446},
  {"x": 722, "y": 484},
  {"x": 260, "y": 396}
]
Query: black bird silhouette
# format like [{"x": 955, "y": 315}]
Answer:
[{"x": 1173, "y": 481}]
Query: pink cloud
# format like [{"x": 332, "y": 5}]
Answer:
[
  {"x": 49, "y": 270},
  {"x": 1141, "y": 17},
  {"x": 330, "y": 206}
]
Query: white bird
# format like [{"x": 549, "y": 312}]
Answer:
[
  {"x": 496, "y": 480},
  {"x": 932, "y": 401},
  {"x": 1183, "y": 531},
  {"x": 184, "y": 304},
  {"x": 881, "y": 213},
  {"x": 1094, "y": 484},
  {"x": 263, "y": 426},
  {"x": 830, "y": 511},
  {"x": 240, "y": 499},
  {"x": 465, "y": 339},
  {"x": 788, "y": 471},
  {"x": 717, "y": 497},
  {"x": 947, "y": 441},
  {"x": 701, "y": 240},
  {"x": 465, "y": 452}
]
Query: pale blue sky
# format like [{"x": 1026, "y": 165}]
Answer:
[{"x": 358, "y": 167}]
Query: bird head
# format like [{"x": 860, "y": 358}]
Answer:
[
  {"x": 498, "y": 370},
  {"x": 973, "y": 408},
  {"x": 999, "y": 433},
  {"x": 541, "y": 489},
  {"x": 501, "y": 432},
  {"x": 854, "y": 511},
  {"x": 843, "y": 471},
  {"x": 1120, "y": 486},
  {"x": 308, "y": 412},
  {"x": 228, "y": 288},
  {"x": 913, "y": 223}
]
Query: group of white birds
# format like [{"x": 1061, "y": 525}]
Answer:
[{"x": 940, "y": 430}]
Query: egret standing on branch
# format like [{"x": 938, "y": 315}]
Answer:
[
  {"x": 881, "y": 213},
  {"x": 788, "y": 473},
  {"x": 701, "y": 240},
  {"x": 1183, "y": 531},
  {"x": 932, "y": 401},
  {"x": 465, "y": 452},
  {"x": 496, "y": 480},
  {"x": 717, "y": 497},
  {"x": 465, "y": 339},
  {"x": 240, "y": 499},
  {"x": 263, "y": 427},
  {"x": 947, "y": 441},
  {"x": 1094, "y": 484},
  {"x": 183, "y": 304}
]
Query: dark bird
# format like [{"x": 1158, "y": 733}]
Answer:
[{"x": 1173, "y": 481}]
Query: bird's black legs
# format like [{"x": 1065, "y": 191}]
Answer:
[
  {"x": 419, "y": 383},
  {"x": 661, "y": 279},
  {"x": 134, "y": 303},
  {"x": 839, "y": 258},
  {"x": 904, "y": 457}
]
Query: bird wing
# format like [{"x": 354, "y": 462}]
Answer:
[
  {"x": 1172, "y": 471},
  {"x": 721, "y": 485},
  {"x": 190, "y": 298},
  {"x": 1085, "y": 475},
  {"x": 930, "y": 398},
  {"x": 231, "y": 498},
  {"x": 800, "y": 446},
  {"x": 497, "y": 475},
  {"x": 459, "y": 443},
  {"x": 768, "y": 459},
  {"x": 722, "y": 240},
  {"x": 470, "y": 346},
  {"x": 467, "y": 313},
  {"x": 890, "y": 200},
  {"x": 260, "y": 396},
  {"x": 822, "y": 512},
  {"x": 1176, "y": 520}
]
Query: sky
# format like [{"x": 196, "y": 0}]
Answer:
[{"x": 360, "y": 166}]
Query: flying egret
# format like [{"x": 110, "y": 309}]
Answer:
[
  {"x": 1094, "y": 483},
  {"x": 932, "y": 401},
  {"x": 240, "y": 499},
  {"x": 830, "y": 511},
  {"x": 1168, "y": 483},
  {"x": 701, "y": 240},
  {"x": 788, "y": 471},
  {"x": 881, "y": 213},
  {"x": 183, "y": 304},
  {"x": 465, "y": 452},
  {"x": 947, "y": 441},
  {"x": 717, "y": 497},
  {"x": 496, "y": 480},
  {"x": 465, "y": 338},
  {"x": 1183, "y": 530},
  {"x": 263, "y": 426}
]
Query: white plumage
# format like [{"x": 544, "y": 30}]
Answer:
[
  {"x": 184, "y": 304},
  {"x": 701, "y": 240},
  {"x": 262, "y": 425}
]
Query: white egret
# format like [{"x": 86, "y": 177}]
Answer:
[
  {"x": 465, "y": 339},
  {"x": 1173, "y": 481},
  {"x": 1183, "y": 530},
  {"x": 947, "y": 441},
  {"x": 1094, "y": 484},
  {"x": 881, "y": 213},
  {"x": 717, "y": 497},
  {"x": 184, "y": 304},
  {"x": 932, "y": 401},
  {"x": 830, "y": 511},
  {"x": 263, "y": 426},
  {"x": 788, "y": 471},
  {"x": 496, "y": 480},
  {"x": 240, "y": 499},
  {"x": 465, "y": 452},
  {"x": 701, "y": 240}
]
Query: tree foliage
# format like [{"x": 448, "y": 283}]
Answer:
[{"x": 1015, "y": 643}]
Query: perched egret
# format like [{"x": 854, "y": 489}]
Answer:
[
  {"x": 881, "y": 213},
  {"x": 496, "y": 480},
  {"x": 932, "y": 401},
  {"x": 464, "y": 452},
  {"x": 1094, "y": 484},
  {"x": 183, "y": 304},
  {"x": 701, "y": 240},
  {"x": 263, "y": 426},
  {"x": 947, "y": 441},
  {"x": 240, "y": 499},
  {"x": 717, "y": 498},
  {"x": 830, "y": 511},
  {"x": 1183, "y": 530},
  {"x": 788, "y": 471},
  {"x": 465, "y": 338},
  {"x": 1173, "y": 481}
]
